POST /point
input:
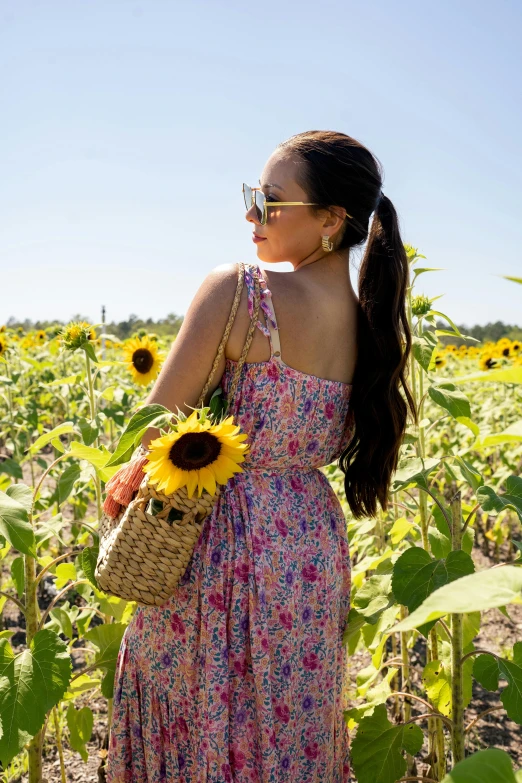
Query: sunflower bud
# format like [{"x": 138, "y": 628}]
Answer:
[
  {"x": 75, "y": 335},
  {"x": 420, "y": 305}
]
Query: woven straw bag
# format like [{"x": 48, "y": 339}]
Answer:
[{"x": 146, "y": 548}]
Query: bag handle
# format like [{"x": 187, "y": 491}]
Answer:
[{"x": 228, "y": 327}]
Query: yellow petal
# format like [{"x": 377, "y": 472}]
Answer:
[
  {"x": 192, "y": 481},
  {"x": 175, "y": 480},
  {"x": 207, "y": 481}
]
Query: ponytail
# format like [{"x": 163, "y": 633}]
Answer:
[{"x": 379, "y": 410}]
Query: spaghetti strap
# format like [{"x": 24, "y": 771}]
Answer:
[{"x": 272, "y": 332}]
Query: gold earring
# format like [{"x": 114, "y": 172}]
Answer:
[{"x": 327, "y": 245}]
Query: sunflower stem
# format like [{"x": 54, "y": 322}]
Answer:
[{"x": 92, "y": 402}]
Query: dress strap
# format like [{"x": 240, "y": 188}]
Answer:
[{"x": 272, "y": 332}]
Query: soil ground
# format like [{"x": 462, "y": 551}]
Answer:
[{"x": 492, "y": 730}]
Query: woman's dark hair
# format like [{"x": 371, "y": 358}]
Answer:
[{"x": 340, "y": 171}]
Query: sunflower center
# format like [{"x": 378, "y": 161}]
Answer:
[
  {"x": 142, "y": 360},
  {"x": 195, "y": 450}
]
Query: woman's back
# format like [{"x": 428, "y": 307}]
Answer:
[
  {"x": 316, "y": 311},
  {"x": 240, "y": 676}
]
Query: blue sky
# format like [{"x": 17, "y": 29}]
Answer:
[{"x": 128, "y": 128}]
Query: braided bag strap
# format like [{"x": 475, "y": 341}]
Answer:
[{"x": 226, "y": 333}]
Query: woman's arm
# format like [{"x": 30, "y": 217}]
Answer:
[{"x": 192, "y": 353}]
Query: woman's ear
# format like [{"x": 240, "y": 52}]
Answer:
[{"x": 334, "y": 219}]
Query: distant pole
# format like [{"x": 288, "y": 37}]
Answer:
[{"x": 103, "y": 334}]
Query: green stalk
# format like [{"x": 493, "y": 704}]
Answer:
[
  {"x": 35, "y": 746},
  {"x": 405, "y": 668},
  {"x": 421, "y": 451},
  {"x": 92, "y": 403},
  {"x": 436, "y": 748},
  {"x": 11, "y": 414},
  {"x": 457, "y": 709},
  {"x": 59, "y": 744},
  {"x": 98, "y": 505}
]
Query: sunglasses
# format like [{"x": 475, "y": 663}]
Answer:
[{"x": 256, "y": 196}]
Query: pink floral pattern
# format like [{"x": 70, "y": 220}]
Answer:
[{"x": 240, "y": 676}]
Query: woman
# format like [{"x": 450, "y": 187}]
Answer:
[{"x": 240, "y": 676}]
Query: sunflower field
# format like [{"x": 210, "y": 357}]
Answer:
[{"x": 434, "y": 632}]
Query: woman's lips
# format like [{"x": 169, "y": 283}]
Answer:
[{"x": 255, "y": 238}]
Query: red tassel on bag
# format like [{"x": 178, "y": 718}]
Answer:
[{"x": 121, "y": 487}]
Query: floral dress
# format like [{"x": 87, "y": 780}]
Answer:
[{"x": 240, "y": 675}]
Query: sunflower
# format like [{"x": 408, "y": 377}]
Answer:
[
  {"x": 504, "y": 347},
  {"x": 40, "y": 336},
  {"x": 90, "y": 330},
  {"x": 3, "y": 345},
  {"x": 516, "y": 347},
  {"x": 144, "y": 359},
  {"x": 198, "y": 454},
  {"x": 451, "y": 348},
  {"x": 488, "y": 361},
  {"x": 439, "y": 361},
  {"x": 74, "y": 335},
  {"x": 2, "y": 328}
]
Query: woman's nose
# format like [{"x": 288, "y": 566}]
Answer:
[{"x": 251, "y": 215}]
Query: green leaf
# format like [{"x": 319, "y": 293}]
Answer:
[
  {"x": 47, "y": 528},
  {"x": 47, "y": 437},
  {"x": 511, "y": 498},
  {"x": 414, "y": 472},
  {"x": 512, "y": 434},
  {"x": 513, "y": 279},
  {"x": 423, "y": 348},
  {"x": 482, "y": 590},
  {"x": 504, "y": 375},
  {"x": 469, "y": 473},
  {"x": 436, "y": 678},
  {"x": 15, "y": 525},
  {"x": 18, "y": 575},
  {"x": 97, "y": 458},
  {"x": 65, "y": 572},
  {"x": 148, "y": 416},
  {"x": 63, "y": 620},
  {"x": 400, "y": 528},
  {"x": 377, "y": 745},
  {"x": 110, "y": 604},
  {"x": 31, "y": 683},
  {"x": 486, "y": 766},
  {"x": 11, "y": 467},
  {"x": 455, "y": 328},
  {"x": 416, "y": 575},
  {"x": 89, "y": 430},
  {"x": 421, "y": 270},
  {"x": 80, "y": 723},
  {"x": 66, "y": 482},
  {"x": 373, "y": 597},
  {"x": 107, "y": 638},
  {"x": 87, "y": 560},
  {"x": 451, "y": 399},
  {"x": 22, "y": 494},
  {"x": 488, "y": 670},
  {"x": 81, "y": 684},
  {"x": 451, "y": 333},
  {"x": 89, "y": 350},
  {"x": 70, "y": 379}
]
